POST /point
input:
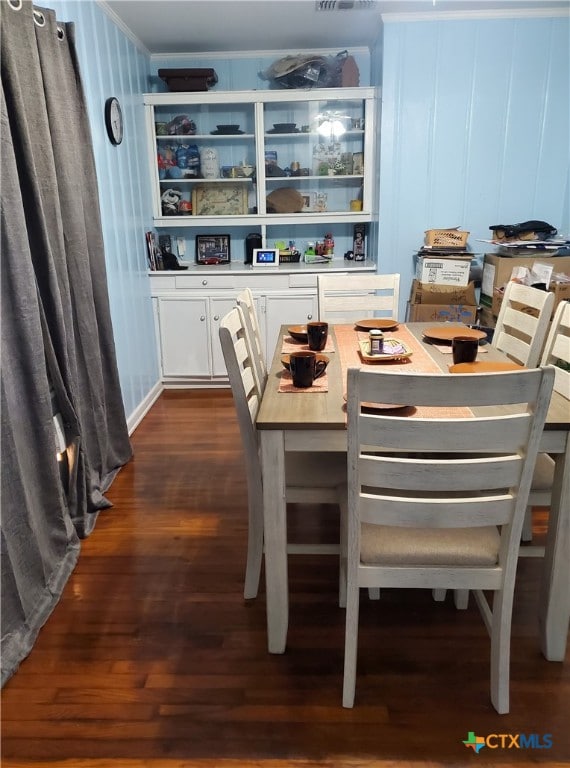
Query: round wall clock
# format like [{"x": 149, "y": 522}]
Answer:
[{"x": 114, "y": 120}]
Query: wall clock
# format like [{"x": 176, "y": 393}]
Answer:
[{"x": 114, "y": 120}]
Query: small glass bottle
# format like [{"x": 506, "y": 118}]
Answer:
[{"x": 376, "y": 341}]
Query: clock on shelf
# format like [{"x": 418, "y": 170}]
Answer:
[{"x": 114, "y": 120}]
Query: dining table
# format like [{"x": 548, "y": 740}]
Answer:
[{"x": 315, "y": 419}]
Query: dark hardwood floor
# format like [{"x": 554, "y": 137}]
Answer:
[{"x": 152, "y": 658}]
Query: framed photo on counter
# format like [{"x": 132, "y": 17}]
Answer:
[{"x": 213, "y": 249}]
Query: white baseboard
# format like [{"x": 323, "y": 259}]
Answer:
[{"x": 144, "y": 407}]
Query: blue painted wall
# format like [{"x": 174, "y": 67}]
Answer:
[
  {"x": 111, "y": 65},
  {"x": 475, "y": 127}
]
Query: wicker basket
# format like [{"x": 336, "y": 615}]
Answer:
[{"x": 446, "y": 238}]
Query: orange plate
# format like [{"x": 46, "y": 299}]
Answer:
[
  {"x": 381, "y": 406},
  {"x": 445, "y": 332},
  {"x": 285, "y": 359},
  {"x": 379, "y": 323},
  {"x": 485, "y": 366},
  {"x": 298, "y": 332}
]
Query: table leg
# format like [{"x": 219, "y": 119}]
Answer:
[
  {"x": 275, "y": 538},
  {"x": 554, "y": 606}
]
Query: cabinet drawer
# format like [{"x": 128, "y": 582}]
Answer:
[
  {"x": 209, "y": 282},
  {"x": 303, "y": 281}
]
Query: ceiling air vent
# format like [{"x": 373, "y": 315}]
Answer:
[{"x": 344, "y": 5}]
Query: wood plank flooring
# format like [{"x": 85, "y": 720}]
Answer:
[{"x": 153, "y": 659}]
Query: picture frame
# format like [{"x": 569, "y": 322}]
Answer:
[
  {"x": 265, "y": 257},
  {"x": 220, "y": 199},
  {"x": 213, "y": 249},
  {"x": 358, "y": 163},
  {"x": 309, "y": 199}
]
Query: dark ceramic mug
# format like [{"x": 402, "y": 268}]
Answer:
[
  {"x": 317, "y": 334},
  {"x": 464, "y": 349},
  {"x": 305, "y": 368}
]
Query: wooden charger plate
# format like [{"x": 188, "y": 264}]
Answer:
[
  {"x": 377, "y": 323},
  {"x": 298, "y": 332},
  {"x": 485, "y": 366},
  {"x": 381, "y": 406},
  {"x": 446, "y": 332}
]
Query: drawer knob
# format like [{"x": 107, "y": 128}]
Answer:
[
  {"x": 202, "y": 318},
  {"x": 204, "y": 282},
  {"x": 309, "y": 317},
  {"x": 216, "y": 317}
]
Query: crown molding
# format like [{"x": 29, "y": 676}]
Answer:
[
  {"x": 123, "y": 27},
  {"x": 530, "y": 13}
]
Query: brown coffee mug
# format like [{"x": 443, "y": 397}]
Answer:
[
  {"x": 305, "y": 368},
  {"x": 317, "y": 333},
  {"x": 464, "y": 349}
]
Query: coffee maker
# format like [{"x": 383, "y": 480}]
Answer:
[{"x": 253, "y": 240}]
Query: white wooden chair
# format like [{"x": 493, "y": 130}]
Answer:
[
  {"x": 246, "y": 301},
  {"x": 311, "y": 477},
  {"x": 557, "y": 353},
  {"x": 419, "y": 521},
  {"x": 347, "y": 298},
  {"x": 518, "y": 333}
]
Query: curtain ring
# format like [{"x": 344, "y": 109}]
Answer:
[
  {"x": 41, "y": 17},
  {"x": 60, "y": 33},
  {"x": 15, "y": 5}
]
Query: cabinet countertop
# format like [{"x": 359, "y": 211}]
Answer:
[{"x": 239, "y": 268}]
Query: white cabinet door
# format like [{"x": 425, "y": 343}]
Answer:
[
  {"x": 288, "y": 309},
  {"x": 218, "y": 308},
  {"x": 184, "y": 336}
]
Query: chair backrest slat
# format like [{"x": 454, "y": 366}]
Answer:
[
  {"x": 246, "y": 302},
  {"x": 557, "y": 349},
  {"x": 346, "y": 298}
]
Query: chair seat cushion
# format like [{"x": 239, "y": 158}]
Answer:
[
  {"x": 388, "y": 545},
  {"x": 543, "y": 475}
]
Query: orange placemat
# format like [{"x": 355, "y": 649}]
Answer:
[
  {"x": 286, "y": 384},
  {"x": 347, "y": 339}
]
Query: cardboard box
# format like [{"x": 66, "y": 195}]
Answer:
[
  {"x": 443, "y": 270},
  {"x": 434, "y": 293},
  {"x": 561, "y": 292},
  {"x": 497, "y": 271},
  {"x": 442, "y": 303},
  {"x": 442, "y": 313}
]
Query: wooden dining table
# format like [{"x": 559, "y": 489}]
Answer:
[{"x": 316, "y": 420}]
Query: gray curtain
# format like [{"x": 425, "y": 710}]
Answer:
[{"x": 57, "y": 340}]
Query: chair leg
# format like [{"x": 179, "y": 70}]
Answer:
[
  {"x": 438, "y": 595},
  {"x": 501, "y": 650},
  {"x": 374, "y": 593},
  {"x": 526, "y": 534},
  {"x": 461, "y": 598},
  {"x": 342, "y": 570},
  {"x": 254, "y": 552},
  {"x": 350, "y": 642}
]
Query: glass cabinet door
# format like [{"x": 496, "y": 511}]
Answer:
[
  {"x": 205, "y": 159},
  {"x": 314, "y": 157}
]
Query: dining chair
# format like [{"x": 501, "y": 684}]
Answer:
[
  {"x": 438, "y": 501},
  {"x": 557, "y": 353},
  {"x": 246, "y": 301},
  {"x": 346, "y": 298},
  {"x": 311, "y": 477},
  {"x": 522, "y": 324}
]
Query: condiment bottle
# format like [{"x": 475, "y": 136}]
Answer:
[{"x": 376, "y": 341}]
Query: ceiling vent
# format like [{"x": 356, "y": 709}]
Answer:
[{"x": 345, "y": 5}]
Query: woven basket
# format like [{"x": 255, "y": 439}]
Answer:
[
  {"x": 289, "y": 258},
  {"x": 446, "y": 238}
]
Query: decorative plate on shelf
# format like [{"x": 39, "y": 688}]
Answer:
[
  {"x": 447, "y": 332},
  {"x": 378, "y": 323},
  {"x": 394, "y": 349},
  {"x": 485, "y": 366},
  {"x": 298, "y": 332}
]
